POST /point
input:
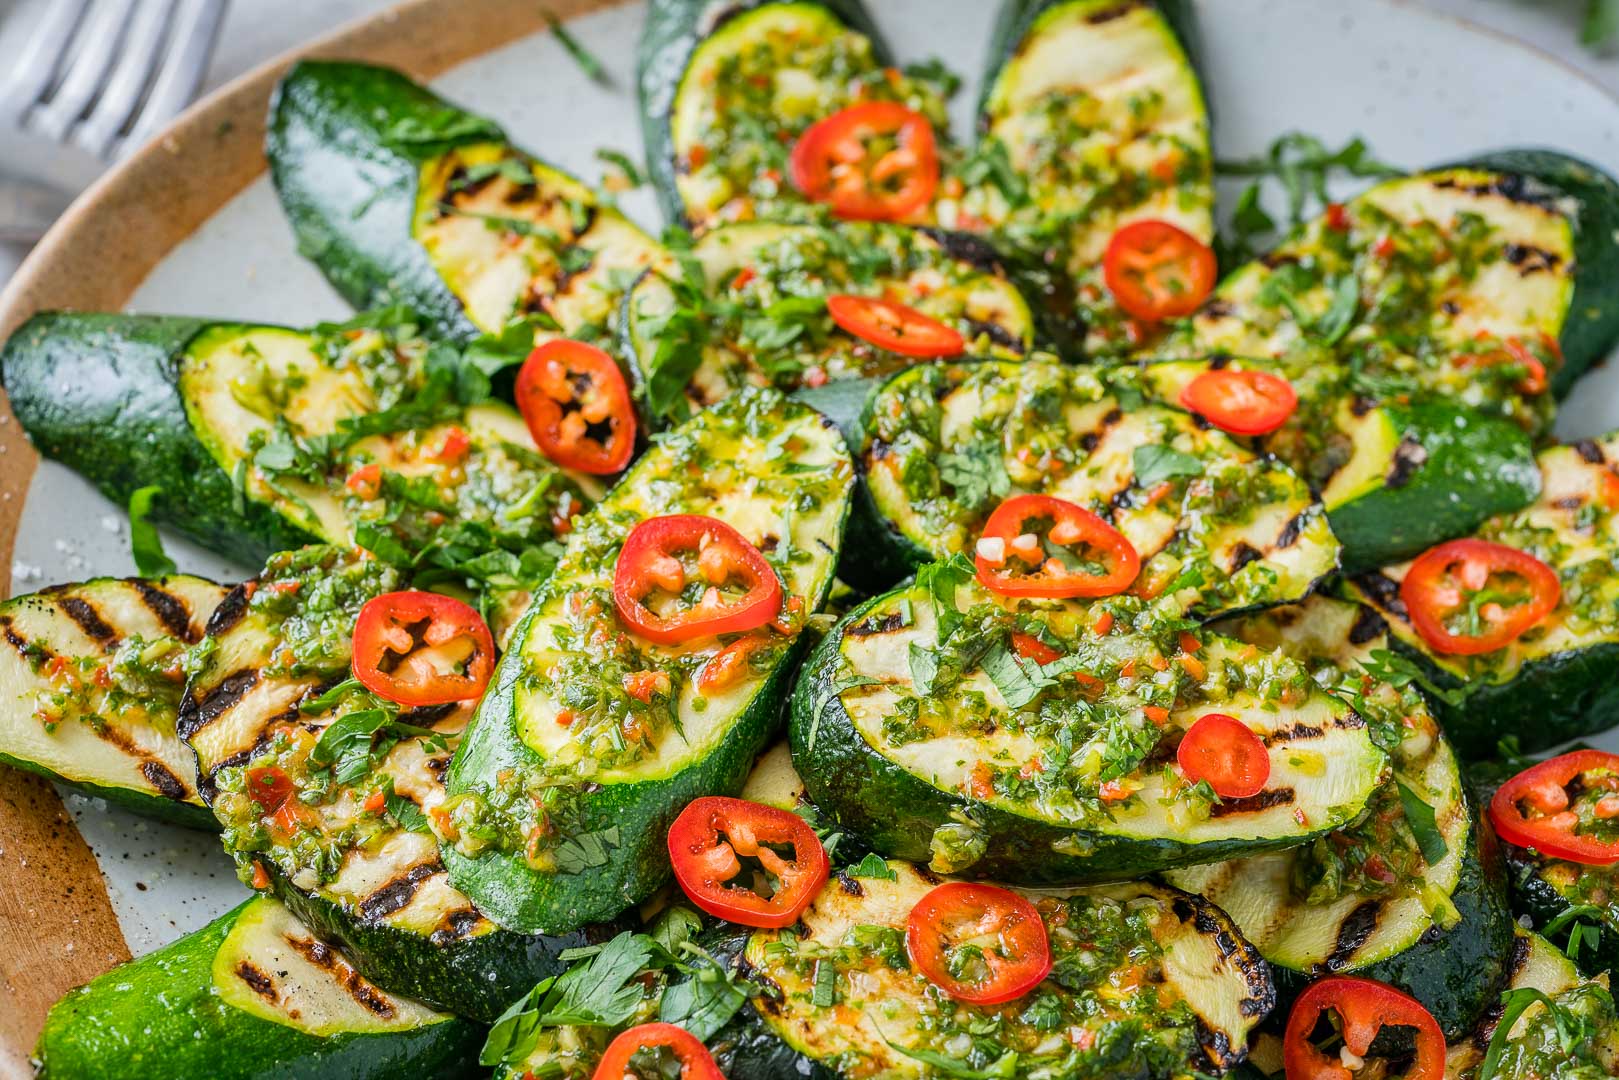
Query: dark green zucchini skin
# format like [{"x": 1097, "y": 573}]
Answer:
[
  {"x": 1457, "y": 973},
  {"x": 475, "y": 977},
  {"x": 1592, "y": 327},
  {"x": 503, "y": 886},
  {"x": 349, "y": 191},
  {"x": 746, "y": 1047},
  {"x": 673, "y": 28},
  {"x": 1469, "y": 468},
  {"x": 1567, "y": 695},
  {"x": 187, "y": 815},
  {"x": 159, "y": 1016},
  {"x": 98, "y": 393}
]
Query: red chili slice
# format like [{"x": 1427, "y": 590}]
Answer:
[
  {"x": 1032, "y": 648},
  {"x": 1512, "y": 351},
  {"x": 652, "y": 1042},
  {"x": 836, "y": 162},
  {"x": 1490, "y": 593},
  {"x": 421, "y": 648},
  {"x": 1544, "y": 789},
  {"x": 1241, "y": 402},
  {"x": 651, "y": 562},
  {"x": 1223, "y": 751},
  {"x": 894, "y": 327},
  {"x": 1364, "y": 1007},
  {"x": 712, "y": 833},
  {"x": 577, "y": 406},
  {"x": 268, "y": 786},
  {"x": 1091, "y": 557},
  {"x": 1011, "y": 953},
  {"x": 1157, "y": 271}
]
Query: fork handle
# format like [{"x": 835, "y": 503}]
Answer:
[{"x": 28, "y": 209}]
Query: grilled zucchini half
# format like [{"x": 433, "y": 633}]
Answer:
[
  {"x": 756, "y": 314},
  {"x": 254, "y": 995},
  {"x": 1367, "y": 899},
  {"x": 1147, "y": 982},
  {"x": 91, "y": 677},
  {"x": 943, "y": 444},
  {"x": 1555, "y": 682},
  {"x": 565, "y": 786},
  {"x": 1094, "y": 109},
  {"x": 726, "y": 88},
  {"x": 400, "y": 197},
  {"x": 1580, "y": 1039},
  {"x": 1423, "y": 325},
  {"x": 919, "y": 726},
  {"x": 349, "y": 844},
  {"x": 263, "y": 437}
]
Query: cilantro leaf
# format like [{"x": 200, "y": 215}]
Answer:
[
  {"x": 1400, "y": 671},
  {"x": 1420, "y": 816},
  {"x": 977, "y": 473},
  {"x": 144, "y": 542}
]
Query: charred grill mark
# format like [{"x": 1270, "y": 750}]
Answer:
[
  {"x": 569, "y": 271},
  {"x": 257, "y": 981},
  {"x": 1568, "y": 502},
  {"x": 323, "y": 956},
  {"x": 1243, "y": 553},
  {"x": 850, "y": 886},
  {"x": 398, "y": 892},
  {"x": 1369, "y": 625},
  {"x": 1590, "y": 452},
  {"x": 170, "y": 610},
  {"x": 89, "y": 619},
  {"x": 196, "y": 715},
  {"x": 1449, "y": 307},
  {"x": 1513, "y": 187},
  {"x": 439, "y": 767},
  {"x": 927, "y": 875},
  {"x": 1531, "y": 260},
  {"x": 1254, "y": 804},
  {"x": 997, "y": 334},
  {"x": 1292, "y": 530},
  {"x": 1296, "y": 733},
  {"x": 1353, "y": 933},
  {"x": 230, "y": 610},
  {"x": 428, "y": 715},
  {"x": 455, "y": 926},
  {"x": 1097, "y": 18},
  {"x": 26, "y": 649},
  {"x": 1276, "y": 259},
  {"x": 205, "y": 786},
  {"x": 1218, "y": 308},
  {"x": 887, "y": 624},
  {"x": 1384, "y": 591},
  {"x": 1242, "y": 956},
  {"x": 1361, "y": 405},
  {"x": 165, "y": 782},
  {"x": 1409, "y": 456}
]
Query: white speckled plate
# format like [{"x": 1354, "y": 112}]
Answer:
[{"x": 1421, "y": 88}]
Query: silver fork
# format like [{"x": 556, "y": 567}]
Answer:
[{"x": 105, "y": 75}]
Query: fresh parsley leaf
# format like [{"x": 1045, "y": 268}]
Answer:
[
  {"x": 933, "y": 70},
  {"x": 144, "y": 542},
  {"x": 323, "y": 701},
  {"x": 1154, "y": 464},
  {"x": 924, "y": 664},
  {"x": 824, "y": 989},
  {"x": 1420, "y": 816},
  {"x": 677, "y": 925},
  {"x": 705, "y": 1001},
  {"x": 874, "y": 866},
  {"x": 586, "y": 851},
  {"x": 1303, "y": 164},
  {"x": 1002, "y": 1068},
  {"x": 1336, "y": 321},
  {"x": 1019, "y": 681},
  {"x": 1399, "y": 672},
  {"x": 406, "y": 814},
  {"x": 991, "y": 163},
  {"x": 1514, "y": 1003},
  {"x": 941, "y": 579},
  {"x": 600, "y": 992},
  {"x": 587, "y": 62},
  {"x": 1249, "y": 221},
  {"x": 977, "y": 473}
]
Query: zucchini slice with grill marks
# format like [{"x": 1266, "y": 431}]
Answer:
[
  {"x": 1147, "y": 983},
  {"x": 254, "y": 995},
  {"x": 943, "y": 444},
  {"x": 1580, "y": 1040},
  {"x": 351, "y": 849},
  {"x": 1556, "y": 681},
  {"x": 565, "y": 786},
  {"x": 1094, "y": 112},
  {"x": 1422, "y": 326},
  {"x": 726, "y": 88},
  {"x": 400, "y": 197},
  {"x": 1366, "y": 899},
  {"x": 264, "y": 437},
  {"x": 919, "y": 727},
  {"x": 91, "y": 677},
  {"x": 758, "y": 315}
]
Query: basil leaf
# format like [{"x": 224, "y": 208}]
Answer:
[
  {"x": 924, "y": 668},
  {"x": 144, "y": 542},
  {"x": 1019, "y": 681}
]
